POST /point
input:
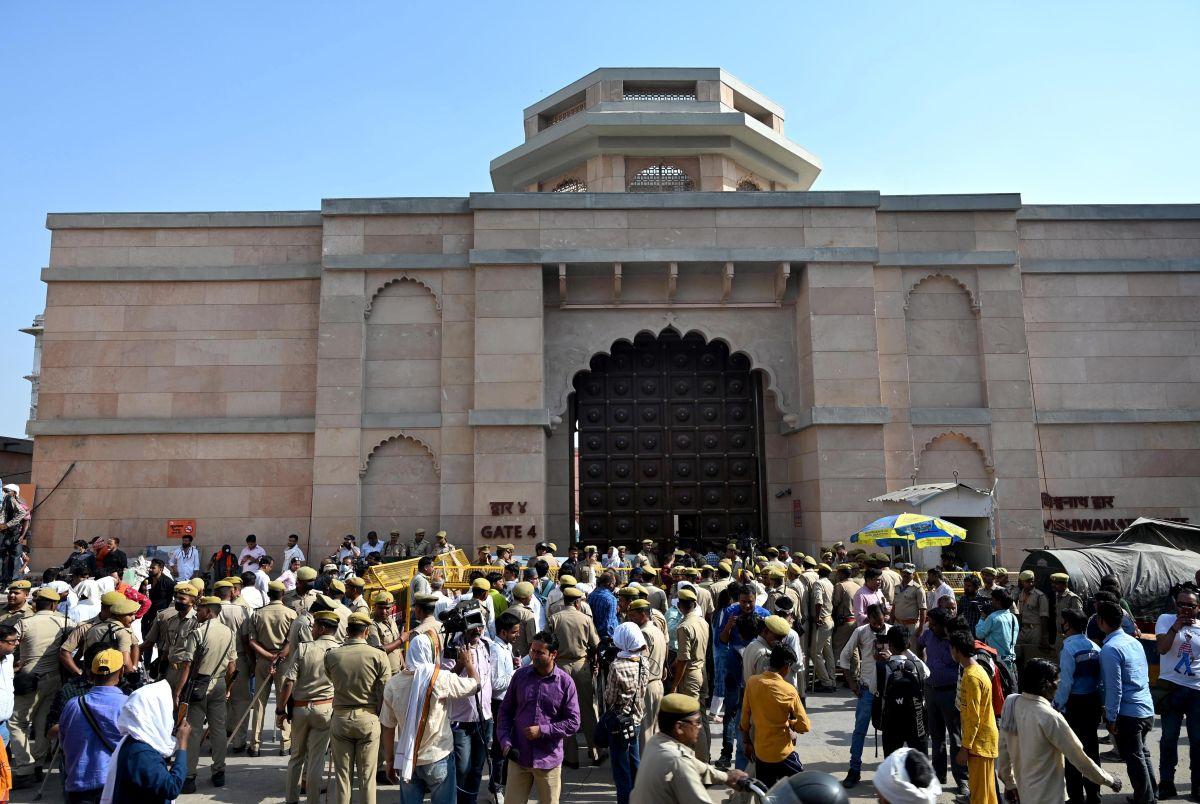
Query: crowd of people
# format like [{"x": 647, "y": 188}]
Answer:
[{"x": 678, "y": 669}]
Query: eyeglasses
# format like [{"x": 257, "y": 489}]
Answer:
[
  {"x": 11, "y": 641},
  {"x": 692, "y": 721}
]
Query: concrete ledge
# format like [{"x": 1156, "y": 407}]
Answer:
[
  {"x": 836, "y": 415},
  {"x": 553, "y": 256},
  {"x": 179, "y": 220},
  {"x": 697, "y": 200},
  {"x": 173, "y": 273},
  {"x": 989, "y": 202},
  {"x": 534, "y": 417},
  {"x": 400, "y": 421},
  {"x": 1117, "y": 416},
  {"x": 1130, "y": 266},
  {"x": 1109, "y": 212},
  {"x": 394, "y": 206},
  {"x": 901, "y": 259},
  {"x": 216, "y": 425},
  {"x": 949, "y": 416},
  {"x": 374, "y": 262}
]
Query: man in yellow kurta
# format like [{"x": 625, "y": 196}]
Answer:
[
  {"x": 980, "y": 737},
  {"x": 772, "y": 707}
]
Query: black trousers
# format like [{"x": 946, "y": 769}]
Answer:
[
  {"x": 945, "y": 729},
  {"x": 1083, "y": 716},
  {"x": 771, "y": 772},
  {"x": 1131, "y": 743}
]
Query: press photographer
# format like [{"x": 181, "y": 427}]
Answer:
[{"x": 471, "y": 715}]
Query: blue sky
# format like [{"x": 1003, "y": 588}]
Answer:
[{"x": 114, "y": 106}]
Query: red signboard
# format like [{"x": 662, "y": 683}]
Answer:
[
  {"x": 797, "y": 514},
  {"x": 178, "y": 528}
]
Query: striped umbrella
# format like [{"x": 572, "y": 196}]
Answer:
[{"x": 914, "y": 530}]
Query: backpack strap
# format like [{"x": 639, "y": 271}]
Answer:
[{"x": 91, "y": 719}]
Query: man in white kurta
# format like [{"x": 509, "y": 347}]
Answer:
[{"x": 1034, "y": 739}]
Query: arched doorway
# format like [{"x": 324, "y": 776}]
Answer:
[{"x": 669, "y": 437}]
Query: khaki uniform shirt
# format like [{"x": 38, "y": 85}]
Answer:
[
  {"x": 1067, "y": 601},
  {"x": 41, "y": 637},
  {"x": 270, "y": 625},
  {"x": 1032, "y": 606},
  {"x": 704, "y": 601},
  {"x": 307, "y": 670},
  {"x": 415, "y": 549},
  {"x": 99, "y": 633},
  {"x": 891, "y": 582},
  {"x": 71, "y": 643},
  {"x": 909, "y": 602},
  {"x": 14, "y": 616},
  {"x": 359, "y": 604},
  {"x": 656, "y": 652},
  {"x": 843, "y": 600},
  {"x": 213, "y": 642},
  {"x": 576, "y": 635},
  {"x": 716, "y": 589},
  {"x": 385, "y": 632},
  {"x": 359, "y": 673},
  {"x": 822, "y": 595},
  {"x": 167, "y": 628},
  {"x": 692, "y": 640},
  {"x": 659, "y": 619},
  {"x": 670, "y": 773},
  {"x": 526, "y": 630},
  {"x": 299, "y": 602},
  {"x": 560, "y": 605}
]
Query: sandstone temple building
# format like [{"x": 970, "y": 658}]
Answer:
[{"x": 652, "y": 323}]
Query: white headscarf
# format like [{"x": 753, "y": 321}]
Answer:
[
  {"x": 419, "y": 661},
  {"x": 893, "y": 785},
  {"x": 629, "y": 638},
  {"x": 149, "y": 717}
]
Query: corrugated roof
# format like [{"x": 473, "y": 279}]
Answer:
[{"x": 915, "y": 495}]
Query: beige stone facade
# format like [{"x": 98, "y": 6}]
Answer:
[{"x": 410, "y": 362}]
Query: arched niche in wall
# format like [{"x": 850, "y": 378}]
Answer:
[
  {"x": 402, "y": 370},
  {"x": 941, "y": 324},
  {"x": 950, "y": 454},
  {"x": 400, "y": 488}
]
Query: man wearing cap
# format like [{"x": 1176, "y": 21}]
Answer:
[
  {"x": 18, "y": 604},
  {"x": 773, "y": 562},
  {"x": 1033, "y": 612},
  {"x": 420, "y": 583},
  {"x": 268, "y": 630},
  {"x": 823, "y": 657},
  {"x": 166, "y": 631},
  {"x": 521, "y": 608},
  {"x": 692, "y": 638},
  {"x": 206, "y": 659},
  {"x": 423, "y": 608},
  {"x": 655, "y": 657},
  {"x": 670, "y": 771},
  {"x": 704, "y": 598},
  {"x": 577, "y": 645},
  {"x": 754, "y": 657},
  {"x": 1064, "y": 600},
  {"x": 418, "y": 546},
  {"x": 41, "y": 637},
  {"x": 441, "y": 546},
  {"x": 307, "y": 686},
  {"x": 359, "y": 674},
  {"x": 393, "y": 550},
  {"x": 111, "y": 627},
  {"x": 909, "y": 605},
  {"x": 303, "y": 595},
  {"x": 384, "y": 633},
  {"x": 354, "y": 595},
  {"x": 86, "y": 753},
  {"x": 988, "y": 576},
  {"x": 645, "y": 558},
  {"x": 843, "y": 607}
]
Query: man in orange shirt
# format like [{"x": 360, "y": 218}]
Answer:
[{"x": 771, "y": 705}]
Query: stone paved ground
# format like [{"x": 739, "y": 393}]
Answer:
[{"x": 826, "y": 749}]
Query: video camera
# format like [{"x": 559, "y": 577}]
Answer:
[{"x": 457, "y": 621}]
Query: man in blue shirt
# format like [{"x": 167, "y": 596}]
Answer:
[
  {"x": 87, "y": 748},
  {"x": 1127, "y": 703},
  {"x": 1079, "y": 698},
  {"x": 945, "y": 728},
  {"x": 736, "y": 641},
  {"x": 604, "y": 605}
]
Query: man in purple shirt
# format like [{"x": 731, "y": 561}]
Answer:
[
  {"x": 869, "y": 594},
  {"x": 540, "y": 710},
  {"x": 933, "y": 646}
]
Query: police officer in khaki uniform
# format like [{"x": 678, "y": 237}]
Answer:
[
  {"x": 358, "y": 673},
  {"x": 909, "y": 603},
  {"x": 168, "y": 630},
  {"x": 646, "y": 557},
  {"x": 656, "y": 661},
  {"x": 423, "y": 608},
  {"x": 311, "y": 692},
  {"x": 354, "y": 595},
  {"x": 268, "y": 632},
  {"x": 419, "y": 547},
  {"x": 1033, "y": 612},
  {"x": 300, "y": 598},
  {"x": 577, "y": 644},
  {"x": 206, "y": 659},
  {"x": 234, "y": 617},
  {"x": 522, "y": 594},
  {"x": 843, "y": 607},
  {"x": 1064, "y": 600},
  {"x": 18, "y": 604},
  {"x": 692, "y": 641},
  {"x": 112, "y": 626},
  {"x": 384, "y": 633},
  {"x": 821, "y": 595},
  {"x": 41, "y": 637},
  {"x": 671, "y": 770}
]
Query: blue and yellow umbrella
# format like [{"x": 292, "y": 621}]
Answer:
[{"x": 917, "y": 530}]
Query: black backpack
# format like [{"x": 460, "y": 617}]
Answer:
[{"x": 902, "y": 696}]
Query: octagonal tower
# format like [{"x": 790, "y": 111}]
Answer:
[{"x": 642, "y": 129}]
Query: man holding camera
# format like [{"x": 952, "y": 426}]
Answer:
[{"x": 470, "y": 716}]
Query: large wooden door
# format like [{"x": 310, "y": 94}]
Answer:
[{"x": 668, "y": 425}]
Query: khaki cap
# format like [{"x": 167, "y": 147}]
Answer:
[
  {"x": 426, "y": 598},
  {"x": 356, "y": 582},
  {"x": 627, "y": 591},
  {"x": 384, "y": 598},
  {"x": 359, "y": 618},
  {"x": 225, "y": 583},
  {"x": 687, "y": 594},
  {"x": 337, "y": 586},
  {"x": 1026, "y": 575},
  {"x": 679, "y": 704},
  {"x": 777, "y": 625},
  {"x": 26, "y": 585},
  {"x": 572, "y": 593},
  {"x": 567, "y": 580},
  {"x": 107, "y": 662},
  {"x": 809, "y": 561},
  {"x": 111, "y": 598},
  {"x": 1061, "y": 577},
  {"x": 123, "y": 606},
  {"x": 46, "y": 593},
  {"x": 827, "y": 568},
  {"x": 235, "y": 581},
  {"x": 482, "y": 583},
  {"x": 988, "y": 571},
  {"x": 639, "y": 605},
  {"x": 306, "y": 574},
  {"x": 276, "y": 586},
  {"x": 523, "y": 590},
  {"x": 326, "y": 617},
  {"x": 210, "y": 600}
]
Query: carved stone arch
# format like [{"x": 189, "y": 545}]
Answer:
[
  {"x": 988, "y": 467},
  {"x": 366, "y": 462},
  {"x": 762, "y": 343},
  {"x": 437, "y": 301},
  {"x": 972, "y": 299}
]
